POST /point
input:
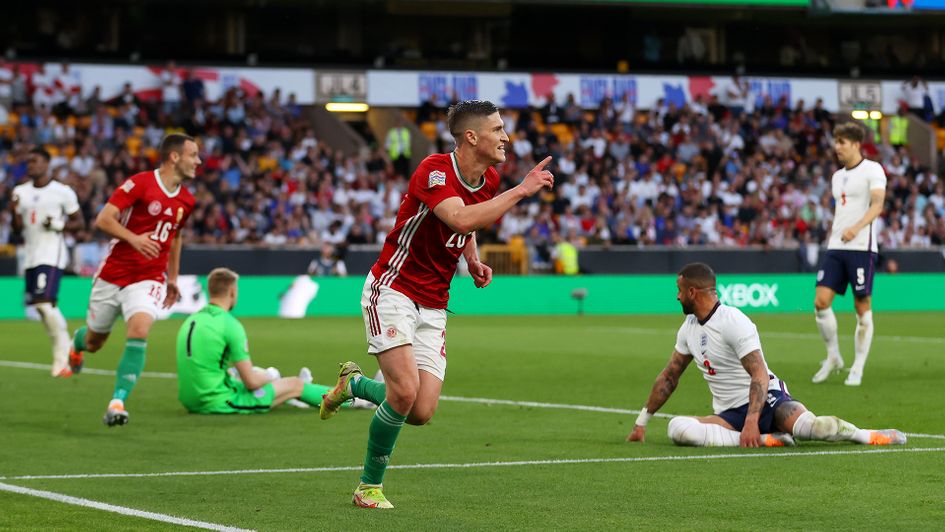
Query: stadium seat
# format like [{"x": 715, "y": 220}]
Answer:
[{"x": 429, "y": 130}]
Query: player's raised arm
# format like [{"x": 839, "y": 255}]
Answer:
[
  {"x": 108, "y": 222},
  {"x": 664, "y": 387},
  {"x": 464, "y": 218},
  {"x": 754, "y": 364}
]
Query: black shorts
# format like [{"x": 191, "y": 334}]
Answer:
[
  {"x": 42, "y": 283},
  {"x": 843, "y": 267},
  {"x": 736, "y": 416}
]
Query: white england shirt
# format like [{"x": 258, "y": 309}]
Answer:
[
  {"x": 851, "y": 193},
  {"x": 717, "y": 346},
  {"x": 55, "y": 200}
]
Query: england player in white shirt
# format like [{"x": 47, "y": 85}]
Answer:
[
  {"x": 859, "y": 190},
  {"x": 42, "y": 209},
  {"x": 751, "y": 405}
]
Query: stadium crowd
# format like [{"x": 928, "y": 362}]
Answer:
[{"x": 722, "y": 171}]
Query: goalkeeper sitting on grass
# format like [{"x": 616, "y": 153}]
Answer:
[{"x": 210, "y": 341}]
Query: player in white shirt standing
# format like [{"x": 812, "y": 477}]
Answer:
[
  {"x": 752, "y": 406},
  {"x": 42, "y": 209},
  {"x": 859, "y": 190}
]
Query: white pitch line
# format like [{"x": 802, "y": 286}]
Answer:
[
  {"x": 470, "y": 465},
  {"x": 775, "y": 334},
  {"x": 77, "y": 501},
  {"x": 586, "y": 408},
  {"x": 88, "y": 371},
  {"x": 452, "y": 398}
]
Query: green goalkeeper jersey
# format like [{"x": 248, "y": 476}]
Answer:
[{"x": 208, "y": 342}]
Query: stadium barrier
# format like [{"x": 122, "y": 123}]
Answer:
[{"x": 272, "y": 296}]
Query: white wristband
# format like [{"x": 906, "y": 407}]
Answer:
[{"x": 643, "y": 418}]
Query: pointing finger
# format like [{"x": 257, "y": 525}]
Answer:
[{"x": 541, "y": 166}]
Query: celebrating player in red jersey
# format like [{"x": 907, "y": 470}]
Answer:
[
  {"x": 139, "y": 273},
  {"x": 404, "y": 299}
]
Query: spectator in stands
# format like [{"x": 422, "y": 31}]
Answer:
[
  {"x": 429, "y": 110},
  {"x": 398, "y": 147},
  {"x": 329, "y": 263},
  {"x": 193, "y": 88},
  {"x": 551, "y": 112},
  {"x": 565, "y": 253},
  {"x": 571, "y": 112},
  {"x": 914, "y": 92},
  {"x": 170, "y": 88},
  {"x": 737, "y": 96},
  {"x": 899, "y": 128}
]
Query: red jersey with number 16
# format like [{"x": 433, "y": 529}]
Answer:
[
  {"x": 420, "y": 254},
  {"x": 146, "y": 207}
]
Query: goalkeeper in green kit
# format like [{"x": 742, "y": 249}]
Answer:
[{"x": 210, "y": 341}]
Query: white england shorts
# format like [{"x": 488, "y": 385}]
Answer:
[
  {"x": 108, "y": 299},
  {"x": 392, "y": 319}
]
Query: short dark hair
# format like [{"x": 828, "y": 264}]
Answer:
[
  {"x": 41, "y": 152},
  {"x": 459, "y": 115},
  {"x": 850, "y": 131},
  {"x": 173, "y": 142},
  {"x": 698, "y": 275}
]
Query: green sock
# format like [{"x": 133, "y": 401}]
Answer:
[
  {"x": 78, "y": 340},
  {"x": 385, "y": 426},
  {"x": 130, "y": 367},
  {"x": 369, "y": 389},
  {"x": 312, "y": 393}
]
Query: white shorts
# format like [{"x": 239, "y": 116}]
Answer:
[
  {"x": 107, "y": 299},
  {"x": 392, "y": 319}
]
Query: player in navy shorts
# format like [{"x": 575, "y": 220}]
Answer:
[{"x": 859, "y": 191}]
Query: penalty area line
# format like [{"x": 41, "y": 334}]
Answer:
[
  {"x": 123, "y": 510},
  {"x": 470, "y": 465}
]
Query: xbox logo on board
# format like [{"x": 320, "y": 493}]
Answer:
[{"x": 749, "y": 295}]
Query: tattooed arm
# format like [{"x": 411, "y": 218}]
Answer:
[
  {"x": 758, "y": 389},
  {"x": 664, "y": 386}
]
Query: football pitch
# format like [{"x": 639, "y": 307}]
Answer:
[{"x": 530, "y": 434}]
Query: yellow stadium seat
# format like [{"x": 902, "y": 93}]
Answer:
[
  {"x": 429, "y": 130},
  {"x": 134, "y": 145}
]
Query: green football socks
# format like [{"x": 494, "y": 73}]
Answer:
[
  {"x": 369, "y": 389},
  {"x": 78, "y": 341},
  {"x": 130, "y": 367},
  {"x": 385, "y": 427},
  {"x": 312, "y": 393}
]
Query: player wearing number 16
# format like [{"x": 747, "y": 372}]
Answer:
[
  {"x": 404, "y": 298},
  {"x": 139, "y": 274}
]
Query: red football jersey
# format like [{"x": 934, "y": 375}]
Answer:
[
  {"x": 146, "y": 207},
  {"x": 420, "y": 254}
]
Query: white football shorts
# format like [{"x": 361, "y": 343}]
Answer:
[
  {"x": 392, "y": 319},
  {"x": 107, "y": 299}
]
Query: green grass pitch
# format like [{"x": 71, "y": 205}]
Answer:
[{"x": 53, "y": 427}]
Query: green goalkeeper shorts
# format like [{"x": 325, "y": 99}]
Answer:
[{"x": 243, "y": 401}]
